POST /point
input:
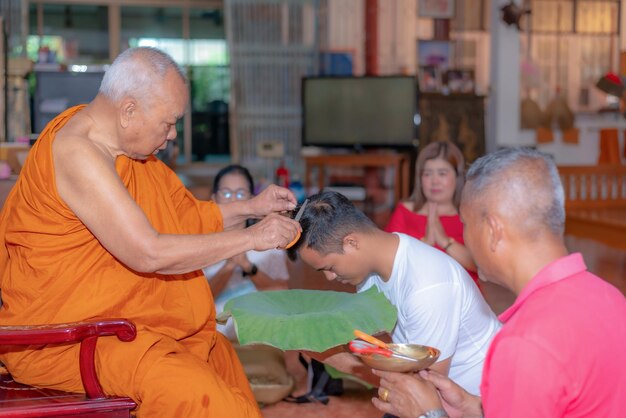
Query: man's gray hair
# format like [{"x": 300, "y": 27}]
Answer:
[
  {"x": 136, "y": 72},
  {"x": 536, "y": 188}
]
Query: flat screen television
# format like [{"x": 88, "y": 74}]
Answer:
[{"x": 359, "y": 111}]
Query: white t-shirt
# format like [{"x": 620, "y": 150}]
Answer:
[
  {"x": 271, "y": 262},
  {"x": 439, "y": 305}
]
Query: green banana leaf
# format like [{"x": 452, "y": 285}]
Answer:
[{"x": 312, "y": 320}]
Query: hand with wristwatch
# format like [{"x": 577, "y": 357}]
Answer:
[
  {"x": 435, "y": 413},
  {"x": 250, "y": 272}
]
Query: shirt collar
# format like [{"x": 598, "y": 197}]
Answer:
[{"x": 556, "y": 271}]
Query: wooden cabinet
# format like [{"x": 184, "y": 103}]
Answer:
[{"x": 459, "y": 118}]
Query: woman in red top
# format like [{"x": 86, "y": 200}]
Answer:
[{"x": 432, "y": 212}]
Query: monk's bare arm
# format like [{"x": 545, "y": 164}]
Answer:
[
  {"x": 272, "y": 199},
  {"x": 88, "y": 183}
]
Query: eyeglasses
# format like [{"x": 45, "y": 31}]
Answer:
[{"x": 239, "y": 194}]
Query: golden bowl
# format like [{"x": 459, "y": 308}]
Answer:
[{"x": 421, "y": 357}]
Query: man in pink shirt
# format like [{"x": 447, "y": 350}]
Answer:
[{"x": 560, "y": 352}]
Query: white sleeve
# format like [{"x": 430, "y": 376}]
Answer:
[
  {"x": 274, "y": 264},
  {"x": 433, "y": 317}
]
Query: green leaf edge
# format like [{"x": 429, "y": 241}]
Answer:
[{"x": 386, "y": 319}]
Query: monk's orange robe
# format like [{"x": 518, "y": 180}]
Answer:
[{"x": 53, "y": 270}]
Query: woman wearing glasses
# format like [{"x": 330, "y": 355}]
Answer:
[{"x": 247, "y": 272}]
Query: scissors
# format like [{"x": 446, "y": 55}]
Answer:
[
  {"x": 363, "y": 347},
  {"x": 297, "y": 219}
]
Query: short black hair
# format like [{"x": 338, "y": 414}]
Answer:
[
  {"x": 233, "y": 169},
  {"x": 327, "y": 219}
]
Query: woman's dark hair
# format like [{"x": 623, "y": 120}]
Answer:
[
  {"x": 233, "y": 169},
  {"x": 448, "y": 152}
]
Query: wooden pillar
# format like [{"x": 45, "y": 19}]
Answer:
[
  {"x": 40, "y": 21},
  {"x": 374, "y": 189},
  {"x": 187, "y": 126},
  {"x": 115, "y": 26},
  {"x": 371, "y": 37},
  {"x": 441, "y": 29}
]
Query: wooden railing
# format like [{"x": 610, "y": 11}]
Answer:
[
  {"x": 595, "y": 202},
  {"x": 594, "y": 187}
]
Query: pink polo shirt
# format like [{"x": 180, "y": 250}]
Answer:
[{"x": 562, "y": 349}]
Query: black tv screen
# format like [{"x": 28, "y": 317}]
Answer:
[{"x": 359, "y": 111}]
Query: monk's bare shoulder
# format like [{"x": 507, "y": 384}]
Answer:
[
  {"x": 82, "y": 163},
  {"x": 77, "y": 141},
  {"x": 76, "y": 149}
]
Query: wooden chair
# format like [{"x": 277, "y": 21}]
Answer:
[{"x": 18, "y": 400}]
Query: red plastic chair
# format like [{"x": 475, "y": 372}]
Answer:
[{"x": 17, "y": 400}]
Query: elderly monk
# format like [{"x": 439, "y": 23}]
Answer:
[
  {"x": 97, "y": 227},
  {"x": 560, "y": 352}
]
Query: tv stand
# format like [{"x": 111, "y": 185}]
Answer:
[{"x": 398, "y": 162}]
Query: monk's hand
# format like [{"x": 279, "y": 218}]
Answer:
[
  {"x": 273, "y": 199},
  {"x": 456, "y": 400},
  {"x": 273, "y": 231},
  {"x": 405, "y": 395}
]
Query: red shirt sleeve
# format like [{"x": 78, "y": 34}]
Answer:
[
  {"x": 396, "y": 221},
  {"x": 407, "y": 222}
]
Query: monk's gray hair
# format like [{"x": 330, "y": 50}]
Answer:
[
  {"x": 136, "y": 72},
  {"x": 534, "y": 190}
]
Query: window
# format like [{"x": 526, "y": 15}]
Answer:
[
  {"x": 189, "y": 52},
  {"x": 207, "y": 61},
  {"x": 572, "y": 44},
  {"x": 45, "y": 48},
  {"x": 72, "y": 33},
  {"x": 199, "y": 46},
  {"x": 78, "y": 35}
]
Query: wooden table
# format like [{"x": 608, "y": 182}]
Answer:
[{"x": 398, "y": 162}]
